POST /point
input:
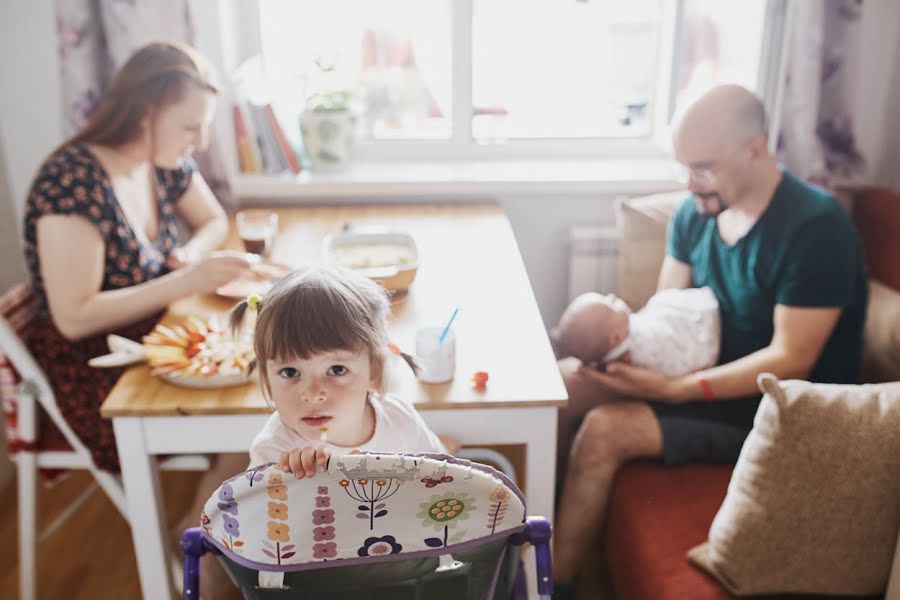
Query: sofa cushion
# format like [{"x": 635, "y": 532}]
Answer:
[
  {"x": 812, "y": 504},
  {"x": 656, "y": 514},
  {"x": 642, "y": 224}
]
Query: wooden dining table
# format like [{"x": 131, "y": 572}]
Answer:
[{"x": 468, "y": 258}]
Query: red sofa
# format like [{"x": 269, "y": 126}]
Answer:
[{"x": 656, "y": 513}]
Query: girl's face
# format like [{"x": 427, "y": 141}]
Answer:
[
  {"x": 326, "y": 390},
  {"x": 180, "y": 128}
]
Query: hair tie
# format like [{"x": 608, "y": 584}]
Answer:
[
  {"x": 395, "y": 349},
  {"x": 253, "y": 301}
]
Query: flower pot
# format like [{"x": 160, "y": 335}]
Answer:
[{"x": 328, "y": 137}]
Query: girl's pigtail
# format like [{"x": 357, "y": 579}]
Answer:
[
  {"x": 407, "y": 358},
  {"x": 236, "y": 316}
]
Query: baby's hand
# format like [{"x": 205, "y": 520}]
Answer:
[{"x": 303, "y": 462}]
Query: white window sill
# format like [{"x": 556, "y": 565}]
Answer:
[{"x": 486, "y": 179}]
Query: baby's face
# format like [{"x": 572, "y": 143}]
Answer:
[{"x": 326, "y": 390}]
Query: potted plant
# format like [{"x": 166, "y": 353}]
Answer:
[{"x": 328, "y": 124}]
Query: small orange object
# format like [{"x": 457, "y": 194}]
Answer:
[
  {"x": 480, "y": 379},
  {"x": 394, "y": 348}
]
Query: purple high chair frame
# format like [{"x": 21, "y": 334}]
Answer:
[{"x": 537, "y": 532}]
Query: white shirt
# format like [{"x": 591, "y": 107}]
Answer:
[
  {"x": 398, "y": 428},
  {"x": 678, "y": 332}
]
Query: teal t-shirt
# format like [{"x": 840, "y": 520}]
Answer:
[{"x": 803, "y": 251}]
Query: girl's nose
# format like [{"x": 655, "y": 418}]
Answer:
[{"x": 314, "y": 396}]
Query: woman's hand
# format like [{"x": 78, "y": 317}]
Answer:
[
  {"x": 303, "y": 462},
  {"x": 208, "y": 274}
]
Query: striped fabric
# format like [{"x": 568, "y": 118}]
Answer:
[{"x": 19, "y": 307}]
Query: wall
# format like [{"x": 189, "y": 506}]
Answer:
[
  {"x": 30, "y": 124},
  {"x": 541, "y": 225}
]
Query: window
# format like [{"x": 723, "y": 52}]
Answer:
[{"x": 467, "y": 78}]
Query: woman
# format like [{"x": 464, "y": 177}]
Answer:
[{"x": 101, "y": 236}]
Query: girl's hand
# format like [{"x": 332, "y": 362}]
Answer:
[
  {"x": 303, "y": 462},
  {"x": 208, "y": 274}
]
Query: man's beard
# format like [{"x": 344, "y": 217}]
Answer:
[{"x": 709, "y": 204}]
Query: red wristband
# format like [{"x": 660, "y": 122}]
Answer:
[{"x": 707, "y": 389}]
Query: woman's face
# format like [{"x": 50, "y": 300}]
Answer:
[{"x": 178, "y": 129}]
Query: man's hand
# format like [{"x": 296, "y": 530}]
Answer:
[{"x": 639, "y": 382}]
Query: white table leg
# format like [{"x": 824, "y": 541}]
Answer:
[
  {"x": 540, "y": 464},
  {"x": 145, "y": 511}
]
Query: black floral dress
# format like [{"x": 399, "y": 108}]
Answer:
[{"x": 73, "y": 182}]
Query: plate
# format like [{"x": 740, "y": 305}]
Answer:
[
  {"x": 207, "y": 382},
  {"x": 259, "y": 280},
  {"x": 198, "y": 354}
]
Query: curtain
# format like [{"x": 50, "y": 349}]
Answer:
[
  {"x": 97, "y": 36},
  {"x": 817, "y": 137}
]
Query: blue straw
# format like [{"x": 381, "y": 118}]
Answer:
[{"x": 449, "y": 323}]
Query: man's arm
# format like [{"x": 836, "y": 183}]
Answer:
[
  {"x": 800, "y": 335},
  {"x": 674, "y": 274}
]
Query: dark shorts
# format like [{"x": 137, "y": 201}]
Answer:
[{"x": 704, "y": 432}]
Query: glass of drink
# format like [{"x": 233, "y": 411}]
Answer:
[
  {"x": 437, "y": 358},
  {"x": 257, "y": 231}
]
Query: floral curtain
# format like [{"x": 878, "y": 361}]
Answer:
[
  {"x": 97, "y": 36},
  {"x": 816, "y": 137}
]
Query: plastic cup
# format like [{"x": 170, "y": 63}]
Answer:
[{"x": 437, "y": 359}]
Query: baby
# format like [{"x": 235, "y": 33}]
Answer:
[
  {"x": 321, "y": 344},
  {"x": 676, "y": 333}
]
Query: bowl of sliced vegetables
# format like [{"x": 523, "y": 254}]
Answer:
[
  {"x": 196, "y": 353},
  {"x": 199, "y": 354}
]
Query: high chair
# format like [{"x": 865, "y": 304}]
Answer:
[
  {"x": 38, "y": 436},
  {"x": 417, "y": 526}
]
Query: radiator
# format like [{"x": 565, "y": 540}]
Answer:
[{"x": 593, "y": 260}]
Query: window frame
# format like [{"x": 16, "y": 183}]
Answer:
[{"x": 238, "y": 39}]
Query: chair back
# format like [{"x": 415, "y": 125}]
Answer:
[
  {"x": 387, "y": 522},
  {"x": 21, "y": 374}
]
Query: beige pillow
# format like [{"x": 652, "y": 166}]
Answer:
[
  {"x": 881, "y": 354},
  {"x": 813, "y": 505},
  {"x": 642, "y": 224}
]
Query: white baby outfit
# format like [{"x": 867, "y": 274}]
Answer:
[
  {"x": 398, "y": 428},
  {"x": 678, "y": 332}
]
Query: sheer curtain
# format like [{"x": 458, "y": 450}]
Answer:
[
  {"x": 818, "y": 137},
  {"x": 97, "y": 36}
]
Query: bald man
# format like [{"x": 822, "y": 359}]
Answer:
[{"x": 786, "y": 266}]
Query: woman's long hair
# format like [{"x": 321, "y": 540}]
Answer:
[{"x": 155, "y": 76}]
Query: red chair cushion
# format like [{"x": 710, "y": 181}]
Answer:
[{"x": 655, "y": 515}]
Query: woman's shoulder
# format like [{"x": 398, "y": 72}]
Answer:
[
  {"x": 68, "y": 181},
  {"x": 70, "y": 159}
]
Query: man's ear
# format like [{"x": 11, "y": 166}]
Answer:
[{"x": 759, "y": 146}]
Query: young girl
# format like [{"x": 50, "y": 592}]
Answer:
[{"x": 321, "y": 346}]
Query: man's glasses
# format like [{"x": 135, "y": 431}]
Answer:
[{"x": 704, "y": 174}]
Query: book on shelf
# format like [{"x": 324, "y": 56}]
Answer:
[
  {"x": 262, "y": 144},
  {"x": 287, "y": 151},
  {"x": 246, "y": 145}
]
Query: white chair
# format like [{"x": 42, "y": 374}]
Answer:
[{"x": 22, "y": 396}]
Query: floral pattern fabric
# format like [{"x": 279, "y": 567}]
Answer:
[
  {"x": 817, "y": 139},
  {"x": 72, "y": 182},
  {"x": 362, "y": 507}
]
